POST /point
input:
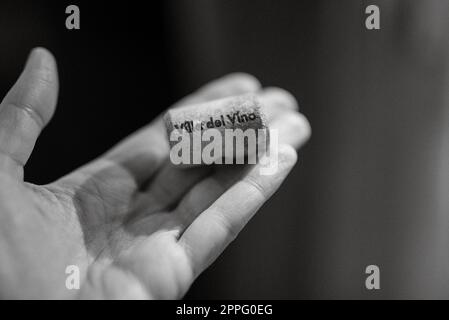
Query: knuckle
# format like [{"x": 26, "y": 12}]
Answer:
[
  {"x": 258, "y": 187},
  {"x": 230, "y": 228}
]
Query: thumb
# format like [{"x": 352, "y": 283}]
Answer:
[{"x": 25, "y": 111}]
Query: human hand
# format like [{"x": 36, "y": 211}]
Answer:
[{"x": 135, "y": 225}]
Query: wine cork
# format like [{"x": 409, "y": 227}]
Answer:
[{"x": 240, "y": 115}]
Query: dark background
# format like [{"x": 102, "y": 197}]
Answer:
[{"x": 372, "y": 185}]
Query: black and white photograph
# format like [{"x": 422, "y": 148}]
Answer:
[{"x": 224, "y": 154}]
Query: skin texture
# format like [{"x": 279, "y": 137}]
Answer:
[{"x": 135, "y": 225}]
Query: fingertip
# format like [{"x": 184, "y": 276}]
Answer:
[
  {"x": 38, "y": 85},
  {"x": 280, "y": 98},
  {"x": 304, "y": 127},
  {"x": 300, "y": 130},
  {"x": 41, "y": 51},
  {"x": 292, "y": 128},
  {"x": 245, "y": 81},
  {"x": 41, "y": 65},
  {"x": 40, "y": 56},
  {"x": 287, "y": 155},
  {"x": 230, "y": 85}
]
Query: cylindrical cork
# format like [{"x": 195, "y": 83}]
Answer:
[{"x": 234, "y": 115}]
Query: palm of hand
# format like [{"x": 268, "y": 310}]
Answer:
[
  {"x": 100, "y": 229},
  {"x": 136, "y": 226}
]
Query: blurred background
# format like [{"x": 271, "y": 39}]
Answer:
[{"x": 372, "y": 185}]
